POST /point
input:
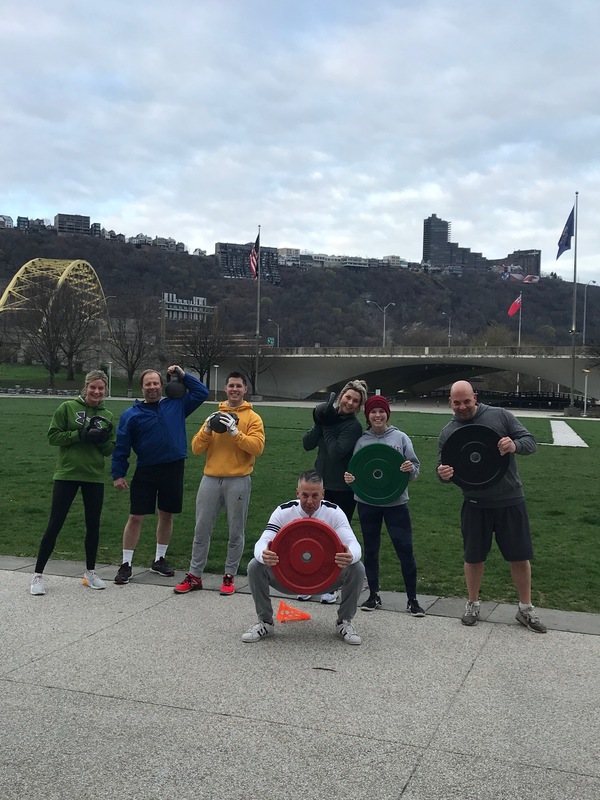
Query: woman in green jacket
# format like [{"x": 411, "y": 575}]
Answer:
[{"x": 82, "y": 430}]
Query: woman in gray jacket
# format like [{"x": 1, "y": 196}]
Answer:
[{"x": 394, "y": 514}]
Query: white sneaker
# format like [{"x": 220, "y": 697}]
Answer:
[
  {"x": 92, "y": 580},
  {"x": 259, "y": 631},
  {"x": 304, "y": 596},
  {"x": 328, "y": 598},
  {"x": 37, "y": 585},
  {"x": 345, "y": 630}
]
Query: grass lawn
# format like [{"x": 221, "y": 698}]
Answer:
[{"x": 560, "y": 484}]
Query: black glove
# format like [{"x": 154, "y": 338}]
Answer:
[
  {"x": 325, "y": 413},
  {"x": 97, "y": 435}
]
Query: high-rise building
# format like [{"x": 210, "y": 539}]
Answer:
[
  {"x": 440, "y": 253},
  {"x": 436, "y": 238},
  {"x": 72, "y": 223},
  {"x": 233, "y": 260}
]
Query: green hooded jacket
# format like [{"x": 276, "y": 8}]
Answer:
[{"x": 77, "y": 460}]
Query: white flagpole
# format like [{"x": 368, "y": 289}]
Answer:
[
  {"x": 574, "y": 321},
  {"x": 258, "y": 278},
  {"x": 519, "y": 339}
]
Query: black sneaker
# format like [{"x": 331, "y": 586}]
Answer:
[
  {"x": 123, "y": 574},
  {"x": 414, "y": 609},
  {"x": 371, "y": 603},
  {"x": 162, "y": 568}
]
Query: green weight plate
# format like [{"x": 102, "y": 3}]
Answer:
[{"x": 376, "y": 469}]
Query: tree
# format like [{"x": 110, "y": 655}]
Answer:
[
  {"x": 41, "y": 326},
  {"x": 248, "y": 364},
  {"x": 132, "y": 335},
  {"x": 79, "y": 327},
  {"x": 201, "y": 344}
]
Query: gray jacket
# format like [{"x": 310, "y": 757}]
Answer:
[{"x": 509, "y": 490}]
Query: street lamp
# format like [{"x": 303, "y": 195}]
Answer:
[
  {"x": 585, "y": 310},
  {"x": 449, "y": 326},
  {"x": 277, "y": 326},
  {"x": 216, "y": 369},
  {"x": 586, "y": 372},
  {"x": 109, "y": 378},
  {"x": 383, "y": 311}
]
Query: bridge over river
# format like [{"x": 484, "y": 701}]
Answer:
[{"x": 297, "y": 373}]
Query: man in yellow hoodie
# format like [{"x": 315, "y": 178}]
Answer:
[{"x": 230, "y": 457}]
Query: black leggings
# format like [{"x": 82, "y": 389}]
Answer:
[
  {"x": 62, "y": 499},
  {"x": 345, "y": 500},
  {"x": 397, "y": 520}
]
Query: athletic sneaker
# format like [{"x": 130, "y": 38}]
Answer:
[
  {"x": 471, "y": 614},
  {"x": 259, "y": 631},
  {"x": 345, "y": 630},
  {"x": 162, "y": 568},
  {"x": 228, "y": 586},
  {"x": 92, "y": 580},
  {"x": 329, "y": 598},
  {"x": 304, "y": 596},
  {"x": 189, "y": 584},
  {"x": 124, "y": 574},
  {"x": 372, "y": 602},
  {"x": 530, "y": 619},
  {"x": 413, "y": 608},
  {"x": 37, "y": 585}
]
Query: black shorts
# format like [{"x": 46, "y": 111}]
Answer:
[
  {"x": 510, "y": 524},
  {"x": 162, "y": 481}
]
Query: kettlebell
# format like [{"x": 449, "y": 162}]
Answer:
[{"x": 174, "y": 388}]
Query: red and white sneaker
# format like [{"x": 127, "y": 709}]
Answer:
[
  {"x": 189, "y": 584},
  {"x": 228, "y": 586}
]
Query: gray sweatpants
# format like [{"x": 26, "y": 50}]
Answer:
[
  {"x": 214, "y": 494},
  {"x": 261, "y": 577}
]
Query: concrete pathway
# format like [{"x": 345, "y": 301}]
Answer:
[
  {"x": 563, "y": 435},
  {"x": 139, "y": 692}
]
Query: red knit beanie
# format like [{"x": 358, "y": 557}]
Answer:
[{"x": 377, "y": 401}]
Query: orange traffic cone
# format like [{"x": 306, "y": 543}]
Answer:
[{"x": 287, "y": 613}]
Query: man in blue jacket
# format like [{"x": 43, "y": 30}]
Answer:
[{"x": 154, "y": 428}]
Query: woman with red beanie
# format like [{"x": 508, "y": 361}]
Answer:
[{"x": 394, "y": 514}]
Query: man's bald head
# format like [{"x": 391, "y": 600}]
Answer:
[{"x": 463, "y": 400}]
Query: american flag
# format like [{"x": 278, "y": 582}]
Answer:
[{"x": 254, "y": 257}]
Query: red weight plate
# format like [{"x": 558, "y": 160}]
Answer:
[{"x": 306, "y": 550}]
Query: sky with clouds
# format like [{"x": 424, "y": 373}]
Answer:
[{"x": 337, "y": 125}]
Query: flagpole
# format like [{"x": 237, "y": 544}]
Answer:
[
  {"x": 519, "y": 339},
  {"x": 574, "y": 321},
  {"x": 258, "y": 275}
]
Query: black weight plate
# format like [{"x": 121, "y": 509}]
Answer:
[
  {"x": 376, "y": 469},
  {"x": 473, "y": 452}
]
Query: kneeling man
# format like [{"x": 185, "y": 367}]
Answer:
[{"x": 309, "y": 504}]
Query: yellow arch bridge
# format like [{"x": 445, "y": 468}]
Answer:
[{"x": 50, "y": 274}]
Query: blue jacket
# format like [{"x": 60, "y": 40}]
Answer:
[{"x": 156, "y": 436}]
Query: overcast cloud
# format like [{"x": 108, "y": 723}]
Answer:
[{"x": 337, "y": 125}]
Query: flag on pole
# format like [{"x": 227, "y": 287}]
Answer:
[
  {"x": 564, "y": 243},
  {"x": 255, "y": 257},
  {"x": 514, "y": 307}
]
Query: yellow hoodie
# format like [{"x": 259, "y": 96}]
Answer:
[{"x": 230, "y": 456}]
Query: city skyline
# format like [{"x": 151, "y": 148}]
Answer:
[{"x": 337, "y": 127}]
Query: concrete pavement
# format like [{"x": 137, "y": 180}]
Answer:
[{"x": 140, "y": 692}]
